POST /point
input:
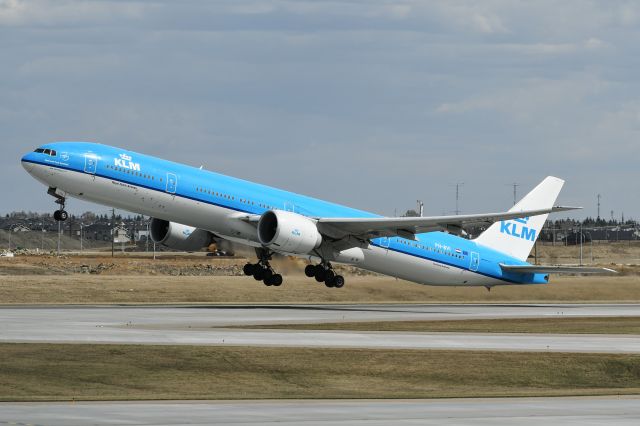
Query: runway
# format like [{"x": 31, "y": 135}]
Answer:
[
  {"x": 202, "y": 325},
  {"x": 495, "y": 411}
]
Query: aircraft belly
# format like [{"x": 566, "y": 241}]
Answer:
[
  {"x": 423, "y": 271},
  {"x": 149, "y": 202}
]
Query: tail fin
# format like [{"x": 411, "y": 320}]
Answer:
[{"x": 516, "y": 237}]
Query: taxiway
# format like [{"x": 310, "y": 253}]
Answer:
[
  {"x": 204, "y": 325},
  {"x": 495, "y": 411}
]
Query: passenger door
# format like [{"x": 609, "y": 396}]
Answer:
[
  {"x": 475, "y": 261},
  {"x": 172, "y": 183},
  {"x": 384, "y": 242},
  {"x": 90, "y": 163}
]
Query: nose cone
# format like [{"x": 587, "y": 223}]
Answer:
[{"x": 26, "y": 162}]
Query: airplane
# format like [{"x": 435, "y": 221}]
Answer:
[{"x": 191, "y": 208}]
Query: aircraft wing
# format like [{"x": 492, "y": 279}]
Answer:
[
  {"x": 407, "y": 227},
  {"x": 541, "y": 269}
]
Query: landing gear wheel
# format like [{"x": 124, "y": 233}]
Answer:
[
  {"x": 277, "y": 280},
  {"x": 60, "y": 215},
  {"x": 248, "y": 269},
  {"x": 259, "y": 273},
  {"x": 329, "y": 275},
  {"x": 338, "y": 281},
  {"x": 310, "y": 271},
  {"x": 268, "y": 273},
  {"x": 329, "y": 283},
  {"x": 321, "y": 274}
]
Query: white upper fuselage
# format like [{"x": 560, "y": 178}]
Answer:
[{"x": 218, "y": 203}]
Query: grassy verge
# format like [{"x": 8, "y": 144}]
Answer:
[
  {"x": 570, "y": 325},
  {"x": 88, "y": 289},
  {"x": 32, "y": 372}
]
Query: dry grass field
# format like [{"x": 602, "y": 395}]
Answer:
[
  {"x": 36, "y": 372},
  {"x": 199, "y": 279},
  {"x": 627, "y": 252},
  {"x": 89, "y": 289}
]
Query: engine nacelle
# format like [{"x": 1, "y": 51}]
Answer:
[
  {"x": 179, "y": 237},
  {"x": 288, "y": 232}
]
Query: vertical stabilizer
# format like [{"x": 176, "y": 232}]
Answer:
[{"x": 516, "y": 237}]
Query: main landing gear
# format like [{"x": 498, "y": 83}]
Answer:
[
  {"x": 324, "y": 273},
  {"x": 262, "y": 271},
  {"x": 59, "y": 215}
]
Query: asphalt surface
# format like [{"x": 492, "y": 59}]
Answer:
[
  {"x": 498, "y": 411},
  {"x": 202, "y": 326}
]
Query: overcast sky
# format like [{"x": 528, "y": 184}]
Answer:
[{"x": 373, "y": 104}]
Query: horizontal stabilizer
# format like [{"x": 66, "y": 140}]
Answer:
[{"x": 560, "y": 269}]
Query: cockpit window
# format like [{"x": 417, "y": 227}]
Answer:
[{"x": 50, "y": 152}]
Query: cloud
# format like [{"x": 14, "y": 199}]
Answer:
[
  {"x": 367, "y": 103},
  {"x": 66, "y": 12},
  {"x": 532, "y": 99}
]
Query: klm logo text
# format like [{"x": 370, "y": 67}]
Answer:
[
  {"x": 125, "y": 162},
  {"x": 518, "y": 229}
]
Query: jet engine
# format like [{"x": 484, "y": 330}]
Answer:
[
  {"x": 288, "y": 232},
  {"x": 179, "y": 237}
]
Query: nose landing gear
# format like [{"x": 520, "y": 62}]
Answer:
[
  {"x": 324, "y": 273},
  {"x": 59, "y": 215}
]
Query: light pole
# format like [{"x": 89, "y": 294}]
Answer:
[
  {"x": 82, "y": 226},
  {"x": 580, "y": 243},
  {"x": 146, "y": 240},
  {"x": 113, "y": 235},
  {"x": 42, "y": 236}
]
